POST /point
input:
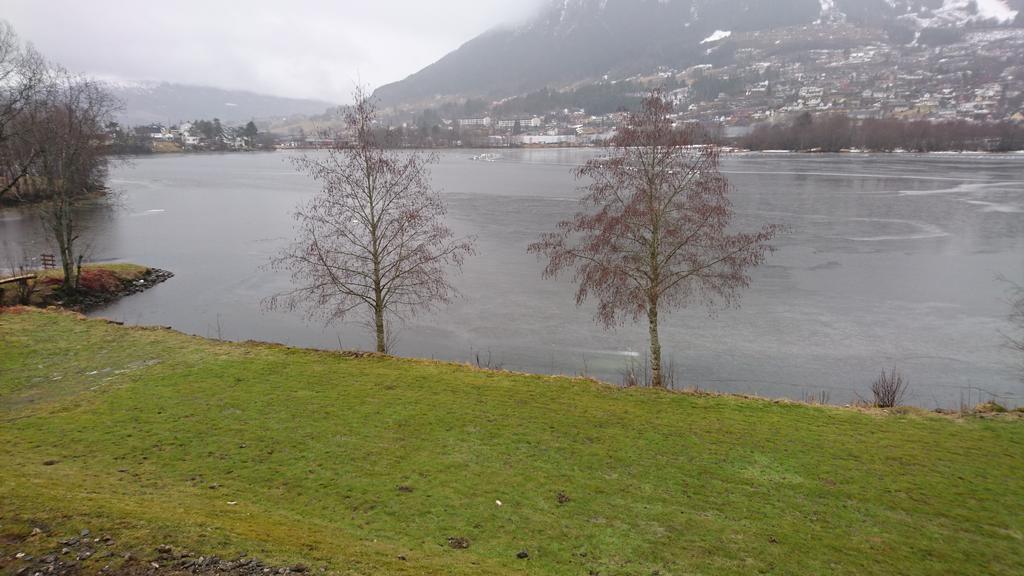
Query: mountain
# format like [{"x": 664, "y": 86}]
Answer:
[
  {"x": 166, "y": 103},
  {"x": 570, "y": 41}
]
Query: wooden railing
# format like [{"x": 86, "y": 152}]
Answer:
[{"x": 24, "y": 278}]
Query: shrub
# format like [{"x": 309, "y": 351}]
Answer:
[
  {"x": 99, "y": 280},
  {"x": 889, "y": 389},
  {"x": 990, "y": 407}
]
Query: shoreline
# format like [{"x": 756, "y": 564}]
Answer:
[
  {"x": 93, "y": 300},
  {"x": 728, "y": 148},
  {"x": 982, "y": 409},
  {"x": 99, "y": 285}
]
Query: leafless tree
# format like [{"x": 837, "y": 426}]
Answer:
[
  {"x": 19, "y": 266},
  {"x": 22, "y": 78},
  {"x": 889, "y": 389},
  {"x": 66, "y": 125},
  {"x": 655, "y": 232},
  {"x": 374, "y": 237}
]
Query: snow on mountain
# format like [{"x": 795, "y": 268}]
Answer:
[
  {"x": 954, "y": 13},
  {"x": 716, "y": 36},
  {"x": 996, "y": 10},
  {"x": 569, "y": 41}
]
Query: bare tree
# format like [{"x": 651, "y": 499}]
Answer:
[
  {"x": 655, "y": 232},
  {"x": 889, "y": 389},
  {"x": 19, "y": 266},
  {"x": 22, "y": 78},
  {"x": 67, "y": 128},
  {"x": 374, "y": 238}
]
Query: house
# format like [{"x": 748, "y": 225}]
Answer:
[{"x": 151, "y": 131}]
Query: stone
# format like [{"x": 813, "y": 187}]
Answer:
[
  {"x": 523, "y": 555},
  {"x": 458, "y": 542}
]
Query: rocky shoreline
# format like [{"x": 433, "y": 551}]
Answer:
[{"x": 88, "y": 301}]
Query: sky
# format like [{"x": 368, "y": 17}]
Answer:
[{"x": 297, "y": 48}]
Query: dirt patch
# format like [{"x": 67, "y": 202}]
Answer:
[
  {"x": 458, "y": 542},
  {"x": 88, "y": 555}
]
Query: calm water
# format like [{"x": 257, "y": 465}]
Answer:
[{"x": 890, "y": 260}]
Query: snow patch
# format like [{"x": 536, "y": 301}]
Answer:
[
  {"x": 996, "y": 10},
  {"x": 829, "y": 12},
  {"x": 718, "y": 35},
  {"x": 962, "y": 12}
]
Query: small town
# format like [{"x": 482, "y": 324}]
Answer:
[{"x": 863, "y": 77}]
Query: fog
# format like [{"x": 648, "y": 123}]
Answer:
[{"x": 304, "y": 48}]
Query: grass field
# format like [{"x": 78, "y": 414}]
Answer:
[{"x": 299, "y": 456}]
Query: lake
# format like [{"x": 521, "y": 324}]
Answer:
[{"x": 890, "y": 260}]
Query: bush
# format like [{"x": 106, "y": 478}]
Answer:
[
  {"x": 990, "y": 407},
  {"x": 99, "y": 280},
  {"x": 889, "y": 389}
]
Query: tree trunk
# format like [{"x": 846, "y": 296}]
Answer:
[
  {"x": 378, "y": 300},
  {"x": 65, "y": 243},
  {"x": 68, "y": 264},
  {"x": 652, "y": 320},
  {"x": 378, "y": 318},
  {"x": 78, "y": 271}
]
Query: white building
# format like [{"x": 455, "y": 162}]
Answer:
[
  {"x": 524, "y": 122},
  {"x": 485, "y": 121},
  {"x": 546, "y": 139},
  {"x": 811, "y": 92}
]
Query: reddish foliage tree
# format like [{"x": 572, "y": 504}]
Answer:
[
  {"x": 374, "y": 238},
  {"x": 656, "y": 233}
]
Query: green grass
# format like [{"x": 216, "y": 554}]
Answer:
[{"x": 313, "y": 445}]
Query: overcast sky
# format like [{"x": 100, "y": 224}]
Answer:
[{"x": 299, "y": 48}]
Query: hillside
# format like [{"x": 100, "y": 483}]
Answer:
[
  {"x": 372, "y": 465},
  {"x": 582, "y": 40},
  {"x": 167, "y": 103}
]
